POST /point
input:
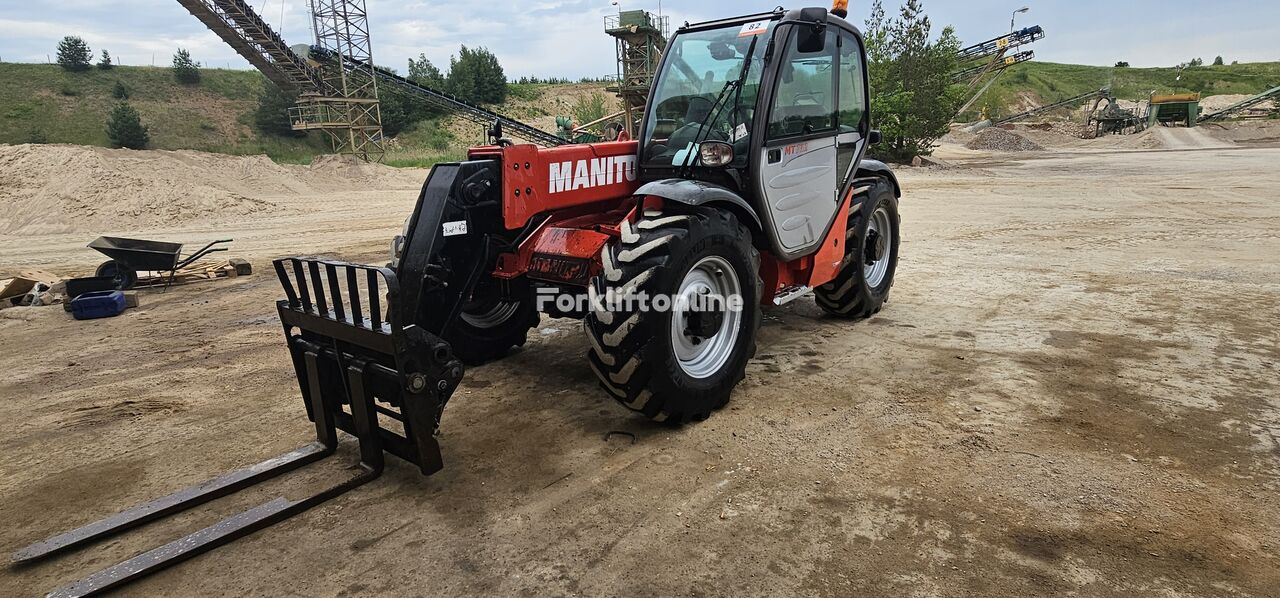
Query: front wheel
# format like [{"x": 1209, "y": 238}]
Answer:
[
  {"x": 494, "y": 320},
  {"x": 861, "y": 288},
  {"x": 675, "y": 312}
]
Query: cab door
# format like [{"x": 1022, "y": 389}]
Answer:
[{"x": 799, "y": 166}]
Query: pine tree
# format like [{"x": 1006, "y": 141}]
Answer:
[
  {"x": 74, "y": 54},
  {"x": 272, "y": 114},
  {"x": 105, "y": 63},
  {"x": 476, "y": 76},
  {"x": 422, "y": 72},
  {"x": 1218, "y": 61},
  {"x": 913, "y": 100},
  {"x": 120, "y": 92},
  {"x": 125, "y": 128},
  {"x": 185, "y": 70}
]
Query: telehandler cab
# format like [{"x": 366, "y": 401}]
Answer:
[{"x": 747, "y": 182}]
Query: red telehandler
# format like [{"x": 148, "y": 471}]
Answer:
[{"x": 746, "y": 188}]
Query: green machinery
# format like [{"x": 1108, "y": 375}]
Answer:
[{"x": 1178, "y": 108}]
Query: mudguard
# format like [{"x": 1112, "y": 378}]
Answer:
[
  {"x": 876, "y": 168},
  {"x": 698, "y": 193}
]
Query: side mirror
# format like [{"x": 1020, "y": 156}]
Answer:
[
  {"x": 812, "y": 39},
  {"x": 875, "y": 137}
]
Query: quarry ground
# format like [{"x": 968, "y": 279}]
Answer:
[{"x": 1074, "y": 390}]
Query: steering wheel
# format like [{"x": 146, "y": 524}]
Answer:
[
  {"x": 682, "y": 137},
  {"x": 693, "y": 129}
]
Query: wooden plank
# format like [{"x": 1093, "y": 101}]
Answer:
[{"x": 25, "y": 281}]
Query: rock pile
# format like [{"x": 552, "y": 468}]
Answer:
[{"x": 999, "y": 140}]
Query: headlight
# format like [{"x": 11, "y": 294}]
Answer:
[{"x": 715, "y": 153}]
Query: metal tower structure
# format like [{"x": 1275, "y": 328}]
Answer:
[
  {"x": 336, "y": 79},
  {"x": 346, "y": 105},
  {"x": 641, "y": 37}
]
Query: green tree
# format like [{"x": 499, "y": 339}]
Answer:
[
  {"x": 74, "y": 54},
  {"x": 105, "y": 63},
  {"x": 913, "y": 100},
  {"x": 185, "y": 70},
  {"x": 1196, "y": 62},
  {"x": 394, "y": 109},
  {"x": 422, "y": 72},
  {"x": 476, "y": 76},
  {"x": 125, "y": 128},
  {"x": 272, "y": 113},
  {"x": 1122, "y": 65},
  {"x": 119, "y": 91},
  {"x": 590, "y": 108},
  {"x": 1218, "y": 61}
]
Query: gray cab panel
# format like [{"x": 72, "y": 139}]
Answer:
[{"x": 800, "y": 190}]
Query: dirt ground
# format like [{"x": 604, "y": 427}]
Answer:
[{"x": 1075, "y": 390}]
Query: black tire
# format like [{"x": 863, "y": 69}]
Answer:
[
  {"x": 850, "y": 295},
  {"x": 633, "y": 351},
  {"x": 123, "y": 278},
  {"x": 496, "y": 319}
]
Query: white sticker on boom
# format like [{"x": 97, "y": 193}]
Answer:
[
  {"x": 755, "y": 28},
  {"x": 453, "y": 229}
]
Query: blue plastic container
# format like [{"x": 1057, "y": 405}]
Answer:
[{"x": 100, "y": 304}]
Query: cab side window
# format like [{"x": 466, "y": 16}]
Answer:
[
  {"x": 806, "y": 98},
  {"x": 853, "y": 93}
]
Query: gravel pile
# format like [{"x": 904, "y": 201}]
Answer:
[{"x": 999, "y": 140}]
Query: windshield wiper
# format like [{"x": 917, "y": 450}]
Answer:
[
  {"x": 714, "y": 113},
  {"x": 717, "y": 107}
]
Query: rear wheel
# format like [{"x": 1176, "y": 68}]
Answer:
[
  {"x": 675, "y": 312},
  {"x": 871, "y": 258},
  {"x": 122, "y": 277}
]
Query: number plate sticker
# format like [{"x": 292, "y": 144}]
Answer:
[
  {"x": 755, "y": 28},
  {"x": 453, "y": 229}
]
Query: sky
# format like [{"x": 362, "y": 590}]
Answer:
[{"x": 566, "y": 38}]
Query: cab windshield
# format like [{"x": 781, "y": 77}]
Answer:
[{"x": 702, "y": 94}]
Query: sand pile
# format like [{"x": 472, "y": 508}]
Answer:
[
  {"x": 65, "y": 188},
  {"x": 999, "y": 140},
  {"x": 1254, "y": 133},
  {"x": 1218, "y": 102}
]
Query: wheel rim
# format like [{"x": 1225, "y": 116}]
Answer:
[
  {"x": 704, "y": 340},
  {"x": 491, "y": 316},
  {"x": 878, "y": 248}
]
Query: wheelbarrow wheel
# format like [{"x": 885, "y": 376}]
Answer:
[{"x": 122, "y": 277}]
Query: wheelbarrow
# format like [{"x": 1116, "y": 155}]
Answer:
[{"x": 130, "y": 256}]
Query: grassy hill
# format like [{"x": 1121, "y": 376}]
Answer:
[
  {"x": 1038, "y": 83},
  {"x": 40, "y": 102},
  {"x": 43, "y": 102}
]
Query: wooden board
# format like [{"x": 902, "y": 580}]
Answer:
[
  {"x": 25, "y": 280},
  {"x": 203, "y": 270}
]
